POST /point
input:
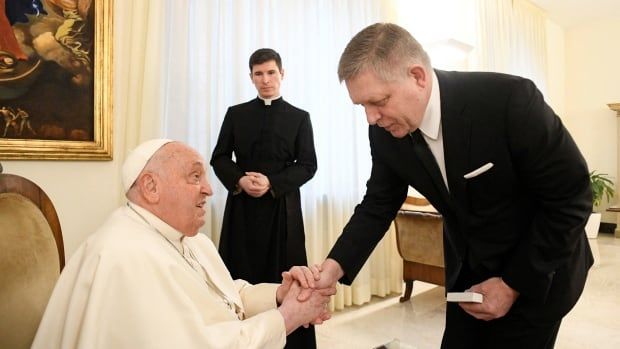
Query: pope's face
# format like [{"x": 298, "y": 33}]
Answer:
[
  {"x": 266, "y": 77},
  {"x": 397, "y": 106},
  {"x": 185, "y": 190}
]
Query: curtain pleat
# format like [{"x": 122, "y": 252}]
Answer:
[{"x": 512, "y": 39}]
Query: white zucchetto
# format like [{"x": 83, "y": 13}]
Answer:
[{"x": 137, "y": 159}]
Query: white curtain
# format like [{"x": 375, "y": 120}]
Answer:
[
  {"x": 195, "y": 64},
  {"x": 512, "y": 39},
  {"x": 138, "y": 68}
]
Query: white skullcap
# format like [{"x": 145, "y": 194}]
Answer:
[{"x": 137, "y": 159}]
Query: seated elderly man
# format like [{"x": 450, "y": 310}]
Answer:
[{"x": 147, "y": 279}]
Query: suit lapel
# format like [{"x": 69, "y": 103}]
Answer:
[
  {"x": 429, "y": 163},
  {"x": 456, "y": 129}
]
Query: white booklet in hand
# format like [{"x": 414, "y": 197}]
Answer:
[{"x": 464, "y": 297}]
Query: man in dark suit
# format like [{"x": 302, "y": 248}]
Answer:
[{"x": 489, "y": 153}]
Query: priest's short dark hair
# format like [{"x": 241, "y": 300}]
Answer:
[{"x": 263, "y": 55}]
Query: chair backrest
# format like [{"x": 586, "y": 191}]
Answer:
[
  {"x": 419, "y": 232},
  {"x": 31, "y": 258}
]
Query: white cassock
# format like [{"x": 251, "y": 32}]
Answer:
[{"x": 129, "y": 286}]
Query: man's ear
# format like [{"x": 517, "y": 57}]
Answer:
[
  {"x": 282, "y": 74},
  {"x": 419, "y": 73},
  {"x": 149, "y": 187}
]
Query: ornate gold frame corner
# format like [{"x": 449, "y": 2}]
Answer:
[{"x": 101, "y": 146}]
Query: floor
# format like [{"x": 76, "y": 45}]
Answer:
[{"x": 418, "y": 324}]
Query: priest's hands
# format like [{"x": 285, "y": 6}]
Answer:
[
  {"x": 254, "y": 184},
  {"x": 497, "y": 301}
]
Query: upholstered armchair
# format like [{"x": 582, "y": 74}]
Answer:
[
  {"x": 31, "y": 257},
  {"x": 419, "y": 235}
]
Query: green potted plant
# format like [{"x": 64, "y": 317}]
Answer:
[{"x": 602, "y": 186}]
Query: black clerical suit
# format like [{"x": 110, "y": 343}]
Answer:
[
  {"x": 522, "y": 220},
  {"x": 262, "y": 237}
]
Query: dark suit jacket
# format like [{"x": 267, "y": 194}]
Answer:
[{"x": 521, "y": 220}]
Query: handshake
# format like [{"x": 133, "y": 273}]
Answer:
[{"x": 303, "y": 296}]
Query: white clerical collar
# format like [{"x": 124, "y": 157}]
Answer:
[
  {"x": 432, "y": 116},
  {"x": 268, "y": 100},
  {"x": 164, "y": 228}
]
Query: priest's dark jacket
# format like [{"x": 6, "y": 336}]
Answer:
[
  {"x": 522, "y": 220},
  {"x": 262, "y": 237}
]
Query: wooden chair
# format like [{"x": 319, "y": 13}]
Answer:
[
  {"x": 419, "y": 236},
  {"x": 31, "y": 258}
]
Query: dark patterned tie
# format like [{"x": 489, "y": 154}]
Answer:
[{"x": 428, "y": 159}]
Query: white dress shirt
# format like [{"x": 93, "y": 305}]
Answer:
[{"x": 431, "y": 128}]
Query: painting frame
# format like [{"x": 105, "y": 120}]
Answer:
[{"x": 100, "y": 147}]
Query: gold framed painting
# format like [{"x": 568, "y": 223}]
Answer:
[{"x": 56, "y": 79}]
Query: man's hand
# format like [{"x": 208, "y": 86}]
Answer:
[
  {"x": 498, "y": 298},
  {"x": 305, "y": 276},
  {"x": 330, "y": 272},
  {"x": 296, "y": 313},
  {"x": 259, "y": 179},
  {"x": 254, "y": 184}
]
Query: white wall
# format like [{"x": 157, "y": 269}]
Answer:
[
  {"x": 592, "y": 81},
  {"x": 556, "y": 67},
  {"x": 83, "y": 192}
]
